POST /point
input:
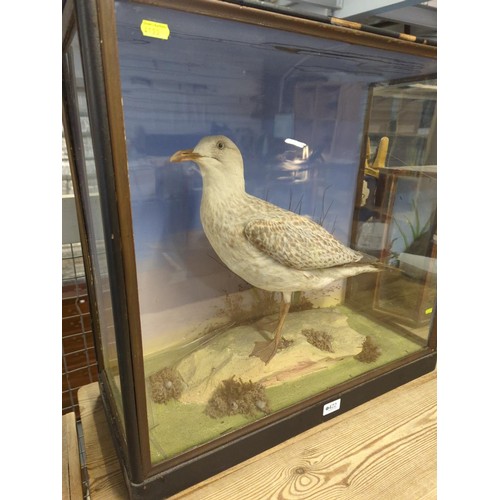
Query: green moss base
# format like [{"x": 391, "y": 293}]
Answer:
[{"x": 176, "y": 427}]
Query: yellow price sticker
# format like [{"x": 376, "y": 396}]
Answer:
[
  {"x": 428, "y": 311},
  {"x": 155, "y": 30}
]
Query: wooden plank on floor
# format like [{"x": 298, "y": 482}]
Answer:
[
  {"x": 103, "y": 469},
  {"x": 383, "y": 449},
  {"x": 71, "y": 471}
]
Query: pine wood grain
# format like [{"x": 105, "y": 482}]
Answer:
[
  {"x": 383, "y": 449},
  {"x": 103, "y": 469},
  {"x": 71, "y": 472}
]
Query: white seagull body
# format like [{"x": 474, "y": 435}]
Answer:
[{"x": 267, "y": 246}]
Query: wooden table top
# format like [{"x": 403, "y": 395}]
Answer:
[{"x": 382, "y": 450}]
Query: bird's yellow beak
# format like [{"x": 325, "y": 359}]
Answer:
[{"x": 184, "y": 155}]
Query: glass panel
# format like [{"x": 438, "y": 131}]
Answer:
[
  {"x": 295, "y": 106},
  {"x": 398, "y": 218},
  {"x": 92, "y": 208}
]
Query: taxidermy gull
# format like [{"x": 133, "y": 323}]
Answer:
[{"x": 267, "y": 246}]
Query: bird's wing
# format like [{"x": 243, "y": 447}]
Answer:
[{"x": 298, "y": 242}]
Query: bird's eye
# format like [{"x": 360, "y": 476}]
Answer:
[{"x": 220, "y": 145}]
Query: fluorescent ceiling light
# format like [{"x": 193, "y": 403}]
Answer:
[{"x": 294, "y": 142}]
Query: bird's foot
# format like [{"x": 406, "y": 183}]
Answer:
[
  {"x": 267, "y": 350},
  {"x": 266, "y": 324}
]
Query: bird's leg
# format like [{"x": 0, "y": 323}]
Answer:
[{"x": 266, "y": 350}]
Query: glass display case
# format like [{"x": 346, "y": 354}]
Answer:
[
  {"x": 253, "y": 268},
  {"x": 397, "y": 221}
]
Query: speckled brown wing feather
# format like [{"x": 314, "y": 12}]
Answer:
[{"x": 298, "y": 242}]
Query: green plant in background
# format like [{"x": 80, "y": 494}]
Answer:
[{"x": 419, "y": 233}]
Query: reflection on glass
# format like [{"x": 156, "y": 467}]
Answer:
[
  {"x": 295, "y": 106},
  {"x": 398, "y": 220},
  {"x": 405, "y": 113},
  {"x": 92, "y": 207}
]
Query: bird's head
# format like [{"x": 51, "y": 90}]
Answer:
[{"x": 217, "y": 156}]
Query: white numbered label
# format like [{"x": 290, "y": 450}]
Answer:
[{"x": 331, "y": 407}]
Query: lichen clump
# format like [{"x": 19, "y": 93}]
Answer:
[
  {"x": 300, "y": 303},
  {"x": 321, "y": 340},
  {"x": 369, "y": 352},
  {"x": 235, "y": 396},
  {"x": 166, "y": 384},
  {"x": 263, "y": 304}
]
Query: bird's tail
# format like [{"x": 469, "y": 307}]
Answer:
[
  {"x": 352, "y": 269},
  {"x": 374, "y": 261},
  {"x": 366, "y": 258}
]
